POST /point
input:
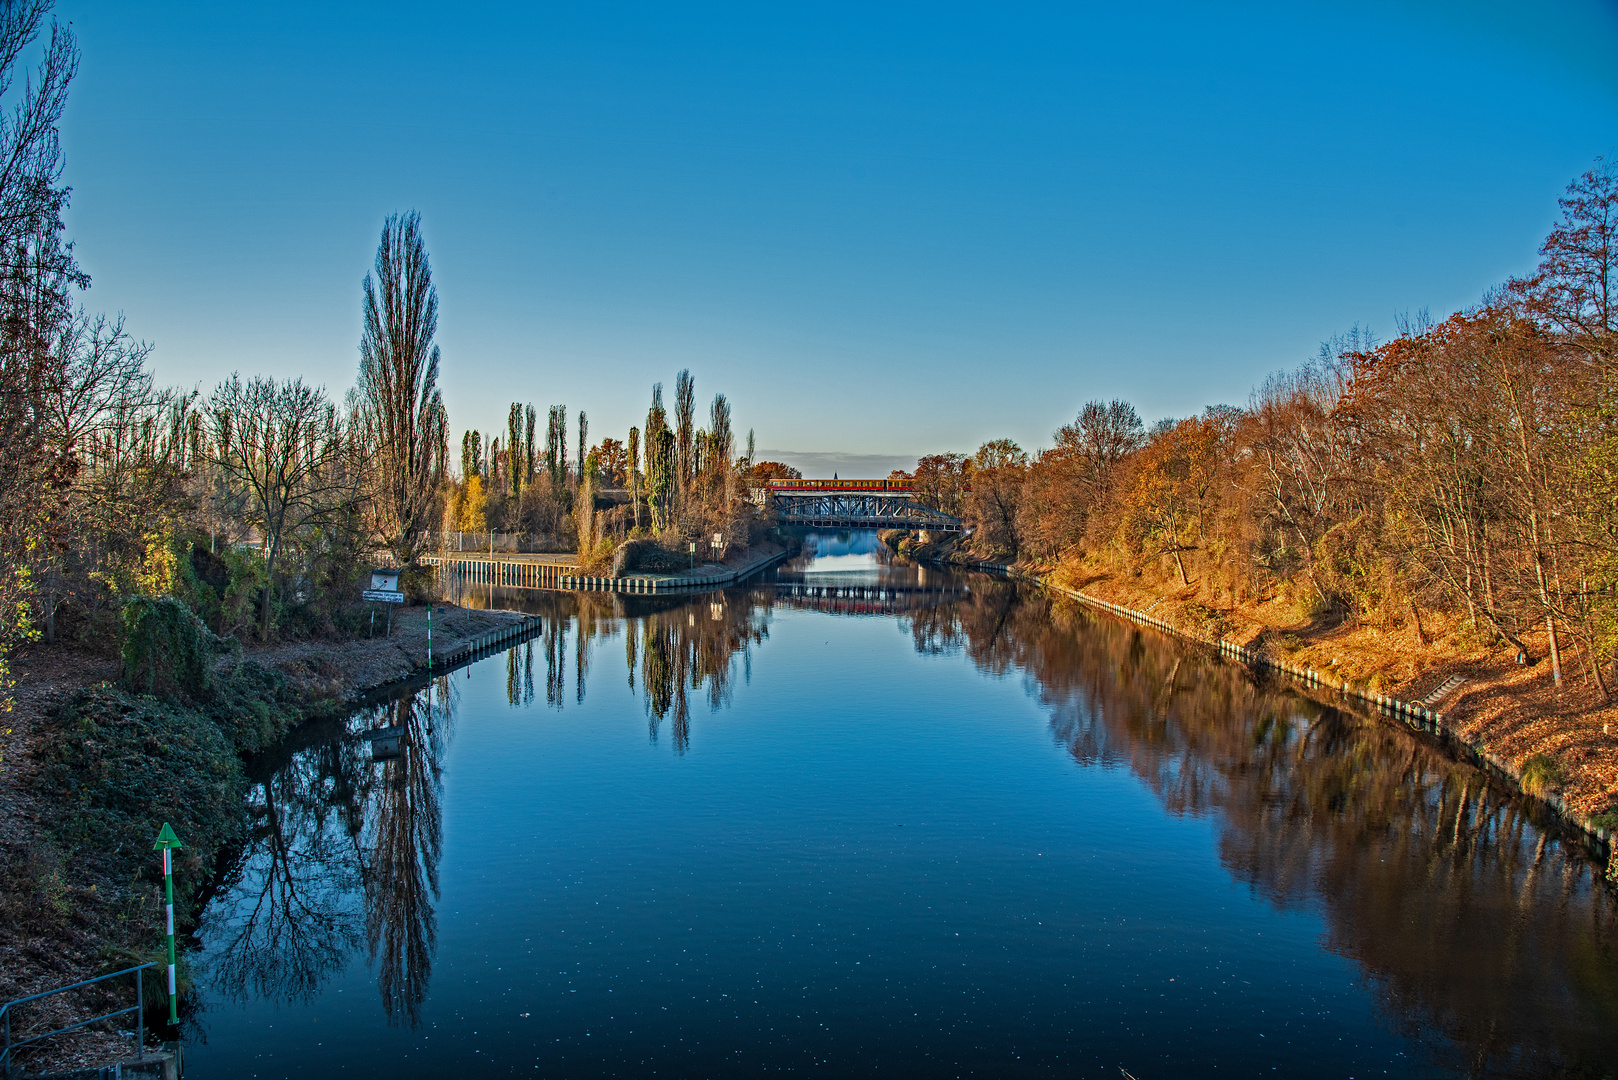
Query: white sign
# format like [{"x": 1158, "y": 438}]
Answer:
[
  {"x": 384, "y": 581},
  {"x": 384, "y": 596}
]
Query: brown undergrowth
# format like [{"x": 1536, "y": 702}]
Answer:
[{"x": 1517, "y": 711}]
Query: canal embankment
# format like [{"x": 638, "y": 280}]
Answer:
[
  {"x": 1555, "y": 744},
  {"x": 700, "y": 577}
]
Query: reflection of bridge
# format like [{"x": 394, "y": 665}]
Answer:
[
  {"x": 852, "y": 504},
  {"x": 884, "y": 598}
]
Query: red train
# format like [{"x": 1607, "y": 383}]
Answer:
[{"x": 787, "y": 487}]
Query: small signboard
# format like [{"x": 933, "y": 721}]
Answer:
[{"x": 384, "y": 588}]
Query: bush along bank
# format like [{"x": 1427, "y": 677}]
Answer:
[
  {"x": 1538, "y": 776},
  {"x": 167, "y": 742}
]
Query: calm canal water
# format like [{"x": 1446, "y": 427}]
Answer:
[{"x": 861, "y": 818}]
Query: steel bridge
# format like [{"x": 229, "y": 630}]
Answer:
[{"x": 852, "y": 504}]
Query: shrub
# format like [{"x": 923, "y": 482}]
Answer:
[
  {"x": 1542, "y": 774},
  {"x": 166, "y": 650},
  {"x": 116, "y": 766},
  {"x": 254, "y": 708},
  {"x": 648, "y": 556}
]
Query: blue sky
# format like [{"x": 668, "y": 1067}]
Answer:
[{"x": 881, "y": 230}]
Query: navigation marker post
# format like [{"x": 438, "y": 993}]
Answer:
[
  {"x": 429, "y": 637},
  {"x": 166, "y": 843}
]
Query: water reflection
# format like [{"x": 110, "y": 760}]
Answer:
[
  {"x": 676, "y": 648},
  {"x": 344, "y": 846},
  {"x": 406, "y": 842},
  {"x": 1480, "y": 933},
  {"x": 1477, "y": 931}
]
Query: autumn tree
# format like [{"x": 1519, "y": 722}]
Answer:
[
  {"x": 1171, "y": 488},
  {"x": 1300, "y": 454},
  {"x": 1074, "y": 477},
  {"x": 763, "y": 471},
  {"x": 612, "y": 460},
  {"x": 941, "y": 481},
  {"x": 999, "y": 469}
]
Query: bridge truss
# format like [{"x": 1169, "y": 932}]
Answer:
[{"x": 859, "y": 510}]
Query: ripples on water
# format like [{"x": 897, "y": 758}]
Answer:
[{"x": 867, "y": 817}]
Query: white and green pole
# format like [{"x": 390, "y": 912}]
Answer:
[
  {"x": 166, "y": 843},
  {"x": 429, "y": 637}
]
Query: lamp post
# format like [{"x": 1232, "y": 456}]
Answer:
[{"x": 166, "y": 843}]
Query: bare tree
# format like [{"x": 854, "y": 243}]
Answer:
[
  {"x": 37, "y": 273},
  {"x": 1576, "y": 287},
  {"x": 402, "y": 409},
  {"x": 1104, "y": 434},
  {"x": 281, "y": 446}
]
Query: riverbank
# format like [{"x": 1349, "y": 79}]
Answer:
[
  {"x": 1559, "y": 744},
  {"x": 77, "y": 900}
]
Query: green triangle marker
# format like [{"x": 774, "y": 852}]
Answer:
[{"x": 166, "y": 843}]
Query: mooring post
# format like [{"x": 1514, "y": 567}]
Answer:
[{"x": 166, "y": 843}]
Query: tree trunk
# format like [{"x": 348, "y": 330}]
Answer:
[
  {"x": 269, "y": 594},
  {"x": 1556, "y": 652}
]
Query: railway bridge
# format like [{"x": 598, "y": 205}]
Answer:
[{"x": 852, "y": 504}]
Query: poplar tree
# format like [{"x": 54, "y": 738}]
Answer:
[
  {"x": 556, "y": 445},
  {"x": 634, "y": 476},
  {"x": 528, "y": 458},
  {"x": 400, "y": 405},
  {"x": 656, "y": 425},
  {"x": 722, "y": 441},
  {"x": 660, "y": 479},
  {"x": 516, "y": 452},
  {"x": 584, "y": 442},
  {"x": 685, "y": 409}
]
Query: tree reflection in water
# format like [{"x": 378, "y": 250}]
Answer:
[
  {"x": 342, "y": 848},
  {"x": 1477, "y": 931},
  {"x": 1482, "y": 934},
  {"x": 406, "y": 840},
  {"x": 674, "y": 645},
  {"x": 290, "y": 921}
]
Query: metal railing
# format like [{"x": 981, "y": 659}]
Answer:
[{"x": 139, "y": 1009}]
